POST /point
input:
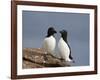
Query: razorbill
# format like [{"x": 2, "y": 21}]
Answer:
[
  {"x": 64, "y": 48},
  {"x": 49, "y": 42}
]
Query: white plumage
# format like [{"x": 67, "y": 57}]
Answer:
[
  {"x": 64, "y": 50},
  {"x": 49, "y": 44}
]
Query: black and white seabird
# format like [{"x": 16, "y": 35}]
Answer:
[
  {"x": 64, "y": 48},
  {"x": 49, "y": 42}
]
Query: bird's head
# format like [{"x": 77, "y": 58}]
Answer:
[
  {"x": 63, "y": 32},
  {"x": 51, "y": 31}
]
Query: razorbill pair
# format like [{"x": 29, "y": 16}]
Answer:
[{"x": 49, "y": 44}]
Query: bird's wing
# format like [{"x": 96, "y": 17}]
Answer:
[
  {"x": 70, "y": 55},
  {"x": 44, "y": 45}
]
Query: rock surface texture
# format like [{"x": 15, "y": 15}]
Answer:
[{"x": 38, "y": 58}]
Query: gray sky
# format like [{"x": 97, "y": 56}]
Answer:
[{"x": 36, "y": 24}]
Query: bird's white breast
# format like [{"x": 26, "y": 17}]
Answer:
[
  {"x": 63, "y": 49},
  {"x": 49, "y": 44}
]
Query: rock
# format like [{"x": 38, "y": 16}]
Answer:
[{"x": 38, "y": 58}]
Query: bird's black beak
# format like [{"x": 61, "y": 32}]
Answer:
[{"x": 55, "y": 31}]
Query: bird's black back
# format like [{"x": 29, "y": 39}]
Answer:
[{"x": 64, "y": 34}]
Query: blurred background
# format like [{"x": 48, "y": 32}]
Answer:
[{"x": 36, "y": 24}]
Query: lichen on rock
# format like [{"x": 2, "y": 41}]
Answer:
[{"x": 38, "y": 58}]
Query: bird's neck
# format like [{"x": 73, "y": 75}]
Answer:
[
  {"x": 49, "y": 35},
  {"x": 64, "y": 38}
]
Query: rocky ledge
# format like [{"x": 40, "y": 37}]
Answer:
[{"x": 38, "y": 58}]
